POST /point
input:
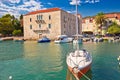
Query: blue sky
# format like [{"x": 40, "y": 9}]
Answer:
[{"x": 85, "y": 8}]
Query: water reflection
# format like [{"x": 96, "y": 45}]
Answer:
[
  {"x": 88, "y": 74},
  {"x": 9, "y": 50},
  {"x": 43, "y": 59},
  {"x": 70, "y": 76}
]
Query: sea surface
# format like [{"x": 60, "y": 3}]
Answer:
[{"x": 30, "y": 60}]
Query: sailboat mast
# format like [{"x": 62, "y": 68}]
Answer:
[{"x": 77, "y": 23}]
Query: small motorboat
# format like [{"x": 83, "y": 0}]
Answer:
[
  {"x": 63, "y": 39},
  {"x": 79, "y": 40},
  {"x": 44, "y": 39},
  {"x": 1, "y": 40},
  {"x": 98, "y": 39}
]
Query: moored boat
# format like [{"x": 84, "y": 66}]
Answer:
[
  {"x": 79, "y": 40},
  {"x": 63, "y": 39},
  {"x": 1, "y": 40},
  {"x": 44, "y": 39},
  {"x": 79, "y": 62}
]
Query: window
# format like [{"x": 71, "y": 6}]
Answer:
[
  {"x": 64, "y": 25},
  {"x": 64, "y": 32},
  {"x": 49, "y": 26},
  {"x": 64, "y": 18},
  {"x": 39, "y": 25},
  {"x": 37, "y": 17},
  {"x": 49, "y": 17},
  {"x": 30, "y": 26},
  {"x": 69, "y": 27},
  {"x": 41, "y": 17},
  {"x": 30, "y": 19}
]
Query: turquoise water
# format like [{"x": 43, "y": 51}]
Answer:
[{"x": 47, "y": 61}]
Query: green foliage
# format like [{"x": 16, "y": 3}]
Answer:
[
  {"x": 17, "y": 32},
  {"x": 6, "y": 27},
  {"x": 6, "y": 16},
  {"x": 8, "y": 24},
  {"x": 114, "y": 28},
  {"x": 100, "y": 19},
  {"x": 21, "y": 17}
]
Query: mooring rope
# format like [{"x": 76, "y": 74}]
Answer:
[{"x": 85, "y": 76}]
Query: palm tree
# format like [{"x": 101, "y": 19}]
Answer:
[{"x": 100, "y": 20}]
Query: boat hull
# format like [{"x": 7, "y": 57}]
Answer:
[
  {"x": 77, "y": 41},
  {"x": 43, "y": 41},
  {"x": 79, "y": 74}
]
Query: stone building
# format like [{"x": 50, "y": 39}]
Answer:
[{"x": 49, "y": 22}]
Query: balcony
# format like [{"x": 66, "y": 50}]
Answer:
[
  {"x": 40, "y": 21},
  {"x": 41, "y": 31}
]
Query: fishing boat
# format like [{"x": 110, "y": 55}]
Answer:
[
  {"x": 63, "y": 39},
  {"x": 43, "y": 40},
  {"x": 80, "y": 60}
]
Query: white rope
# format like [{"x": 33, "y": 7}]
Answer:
[{"x": 85, "y": 75}]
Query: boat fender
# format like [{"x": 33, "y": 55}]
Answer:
[
  {"x": 75, "y": 70},
  {"x": 10, "y": 77},
  {"x": 118, "y": 58}
]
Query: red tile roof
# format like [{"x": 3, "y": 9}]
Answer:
[
  {"x": 108, "y": 15},
  {"x": 113, "y": 15},
  {"x": 43, "y": 11},
  {"x": 88, "y": 18}
]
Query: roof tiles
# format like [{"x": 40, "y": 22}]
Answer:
[{"x": 43, "y": 11}]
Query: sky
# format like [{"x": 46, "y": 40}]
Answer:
[{"x": 85, "y": 7}]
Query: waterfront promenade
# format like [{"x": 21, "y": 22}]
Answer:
[{"x": 11, "y": 38}]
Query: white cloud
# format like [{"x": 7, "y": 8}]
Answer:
[
  {"x": 73, "y": 2},
  {"x": 27, "y": 6},
  {"x": 73, "y": 11},
  {"x": 50, "y": 4},
  {"x": 14, "y": 1},
  {"x": 97, "y": 0},
  {"x": 92, "y": 1}
]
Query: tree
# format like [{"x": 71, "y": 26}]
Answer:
[
  {"x": 8, "y": 24},
  {"x": 100, "y": 20},
  {"x": 21, "y": 16},
  {"x": 17, "y": 32},
  {"x": 114, "y": 28}
]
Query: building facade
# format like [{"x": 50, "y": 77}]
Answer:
[
  {"x": 89, "y": 26},
  {"x": 49, "y": 22}
]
